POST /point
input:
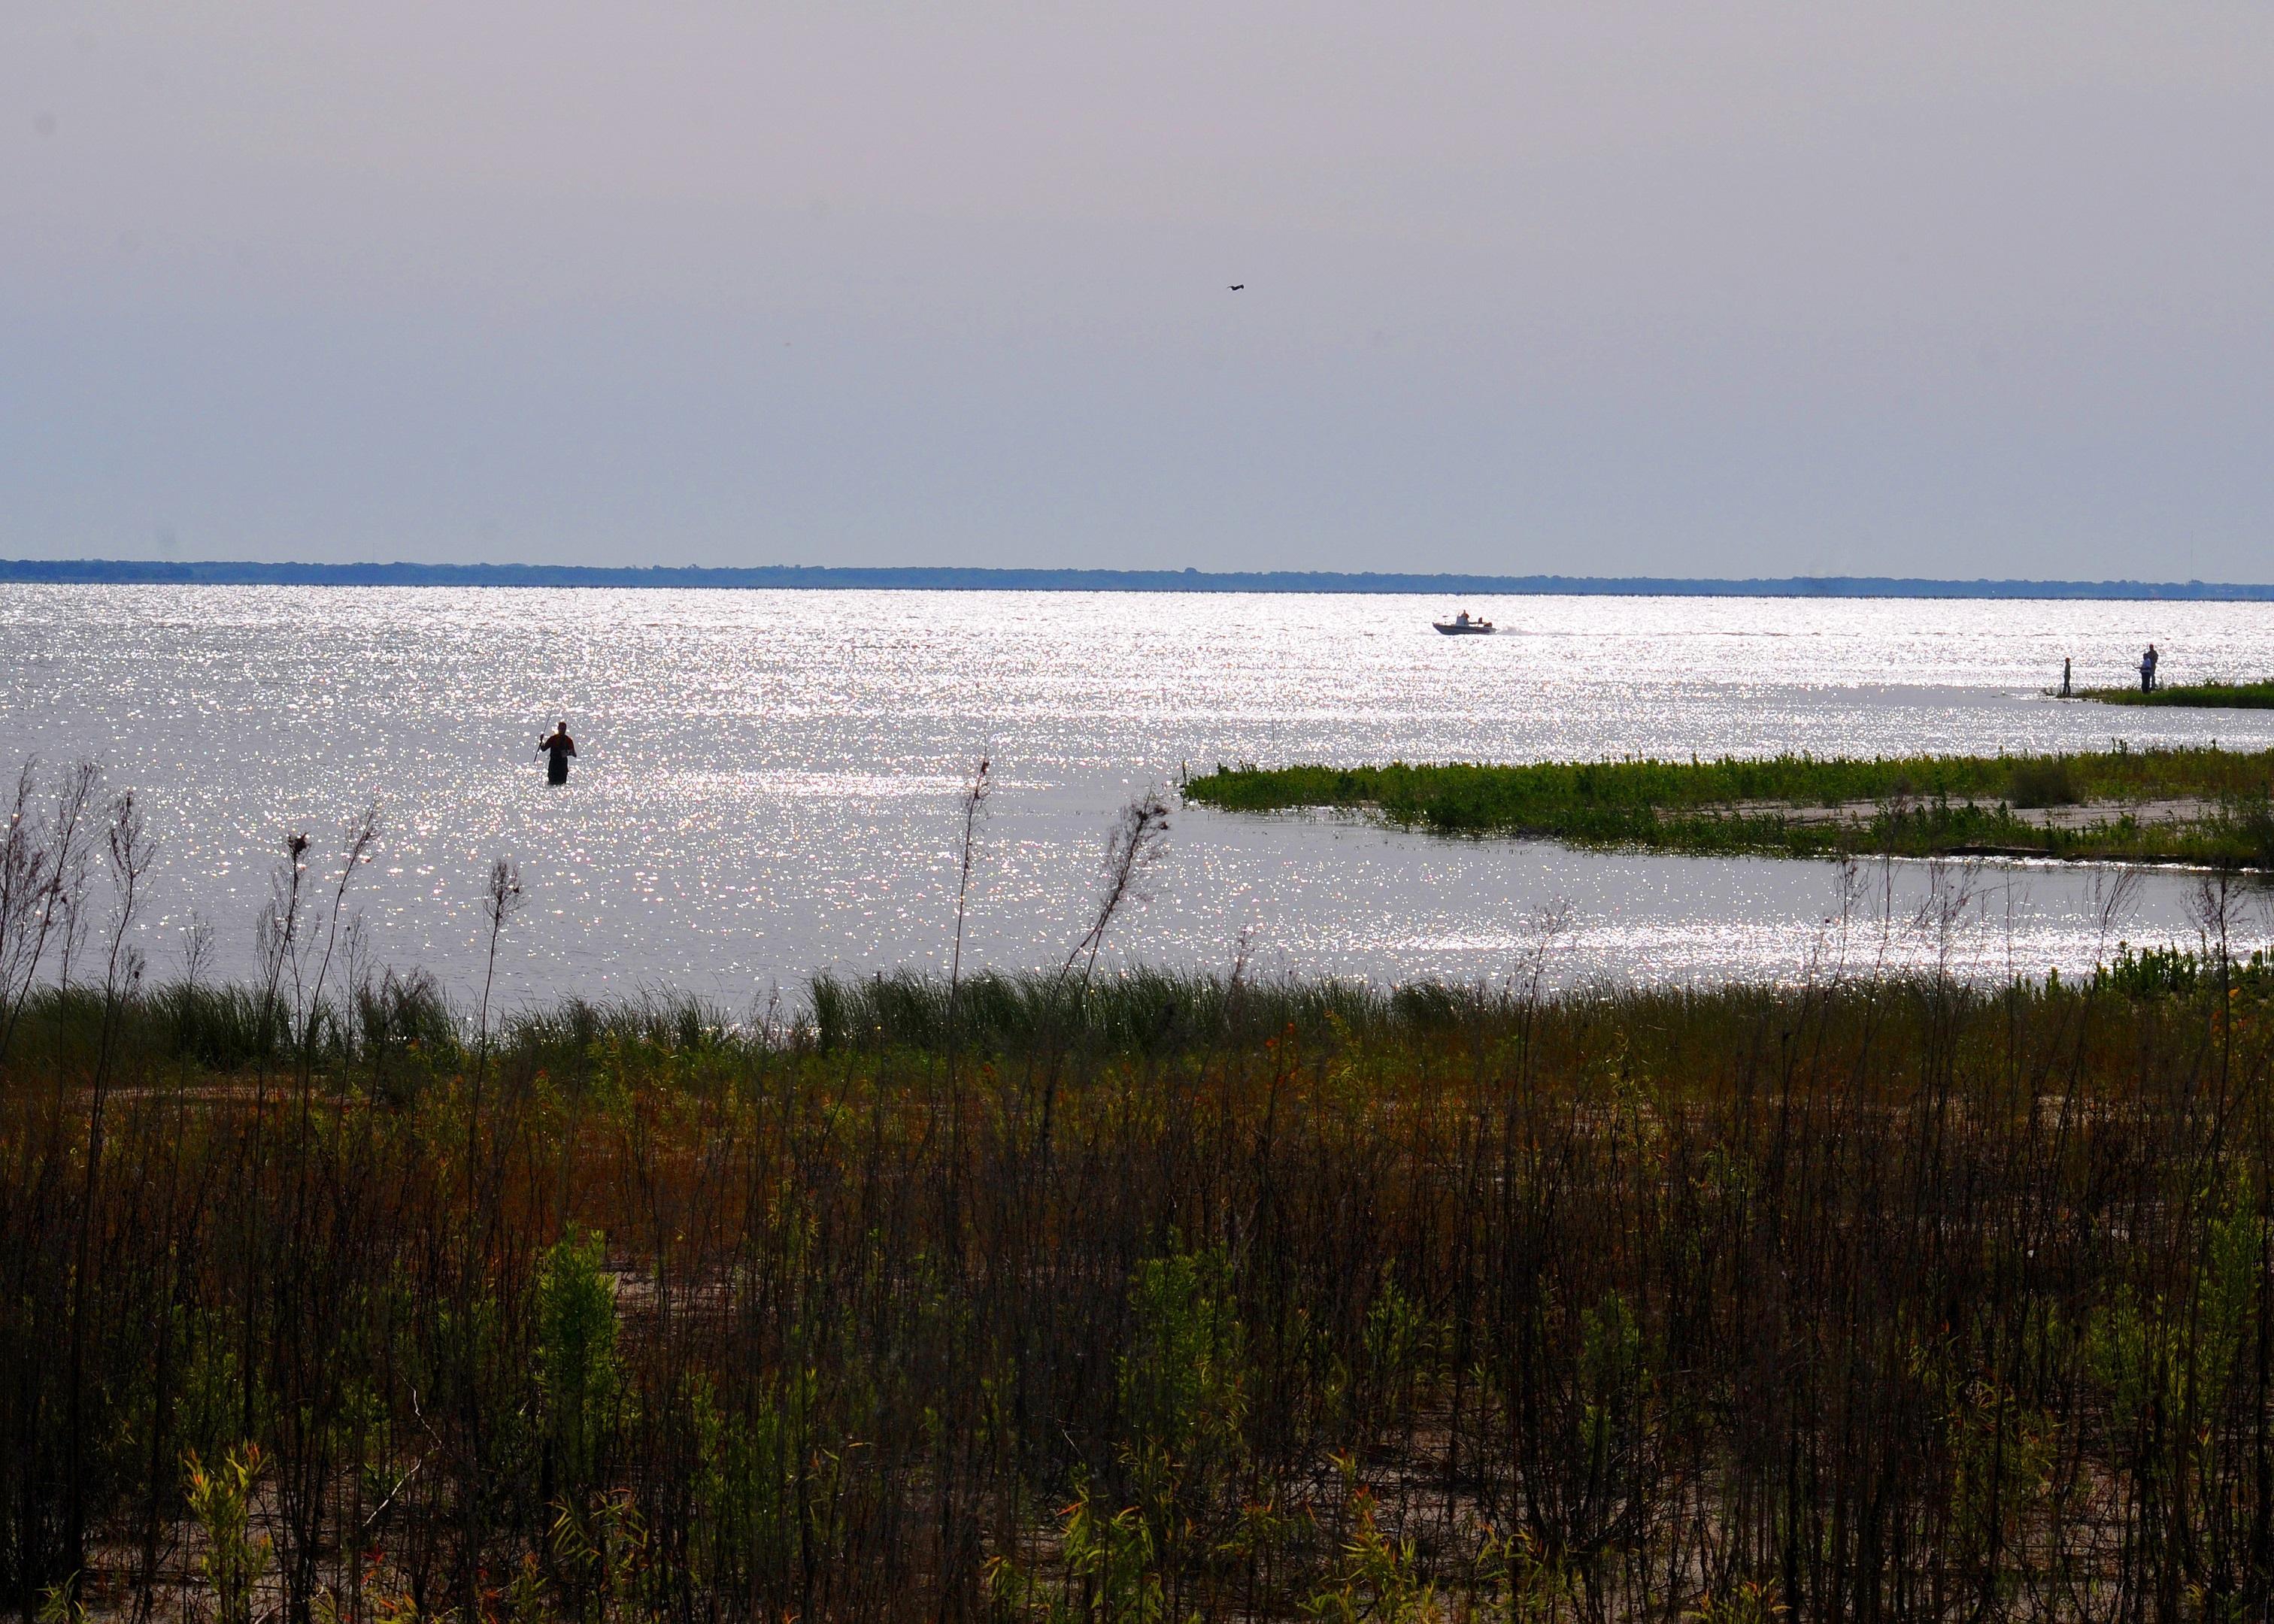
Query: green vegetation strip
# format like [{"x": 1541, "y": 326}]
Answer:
[
  {"x": 2205, "y": 695},
  {"x": 2207, "y": 806}
]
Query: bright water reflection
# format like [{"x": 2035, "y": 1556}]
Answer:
[{"x": 769, "y": 780}]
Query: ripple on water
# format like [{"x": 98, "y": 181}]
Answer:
[{"x": 769, "y": 780}]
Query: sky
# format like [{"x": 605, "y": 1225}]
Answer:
[{"x": 1599, "y": 288}]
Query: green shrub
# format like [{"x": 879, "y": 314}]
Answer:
[
  {"x": 2044, "y": 781},
  {"x": 2150, "y": 971},
  {"x": 219, "y": 1500},
  {"x": 576, "y": 1365}
]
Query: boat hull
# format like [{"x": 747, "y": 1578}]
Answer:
[{"x": 1454, "y": 628}]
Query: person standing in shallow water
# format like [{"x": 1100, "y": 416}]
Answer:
[{"x": 559, "y": 748}]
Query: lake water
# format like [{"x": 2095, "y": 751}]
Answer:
[{"x": 768, "y": 782}]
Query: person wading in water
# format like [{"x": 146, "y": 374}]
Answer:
[{"x": 561, "y": 747}]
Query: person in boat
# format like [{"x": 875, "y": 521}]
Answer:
[
  {"x": 560, "y": 747},
  {"x": 1461, "y": 618}
]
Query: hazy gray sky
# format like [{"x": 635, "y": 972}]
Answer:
[{"x": 1702, "y": 290}]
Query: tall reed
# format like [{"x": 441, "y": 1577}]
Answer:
[{"x": 1892, "y": 1298}]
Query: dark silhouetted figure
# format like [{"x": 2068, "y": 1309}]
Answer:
[
  {"x": 2148, "y": 670},
  {"x": 560, "y": 748},
  {"x": 2064, "y": 677}
]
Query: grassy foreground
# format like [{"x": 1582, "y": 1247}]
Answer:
[
  {"x": 1172, "y": 1298},
  {"x": 2212, "y": 695},
  {"x": 1807, "y": 806}
]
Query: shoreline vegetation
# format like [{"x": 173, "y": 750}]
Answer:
[
  {"x": 1121, "y": 1296},
  {"x": 2206, "y": 696},
  {"x": 835, "y": 577},
  {"x": 2183, "y": 805},
  {"x": 1148, "y": 1297}
]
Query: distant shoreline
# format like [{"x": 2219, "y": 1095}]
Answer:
[{"x": 135, "y": 572}]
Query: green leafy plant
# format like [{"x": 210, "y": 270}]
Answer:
[
  {"x": 60, "y": 1603},
  {"x": 748, "y": 1512},
  {"x": 1111, "y": 1567},
  {"x": 2150, "y": 971},
  {"x": 219, "y": 1500},
  {"x": 1396, "y": 1334},
  {"x": 1530, "y": 1585},
  {"x": 1746, "y": 1602},
  {"x": 1377, "y": 1578},
  {"x": 1182, "y": 1385},
  {"x": 601, "y": 1551},
  {"x": 577, "y": 1370}
]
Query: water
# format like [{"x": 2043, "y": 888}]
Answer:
[{"x": 769, "y": 780}]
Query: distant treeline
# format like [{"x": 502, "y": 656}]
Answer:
[{"x": 949, "y": 578}]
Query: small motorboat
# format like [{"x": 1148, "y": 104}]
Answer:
[{"x": 1462, "y": 625}]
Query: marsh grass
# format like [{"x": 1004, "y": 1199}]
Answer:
[
  {"x": 2209, "y": 695},
  {"x": 1877, "y": 1297},
  {"x": 1138, "y": 1011},
  {"x": 1914, "y": 807}
]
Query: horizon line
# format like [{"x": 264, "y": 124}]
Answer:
[{"x": 829, "y": 577}]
